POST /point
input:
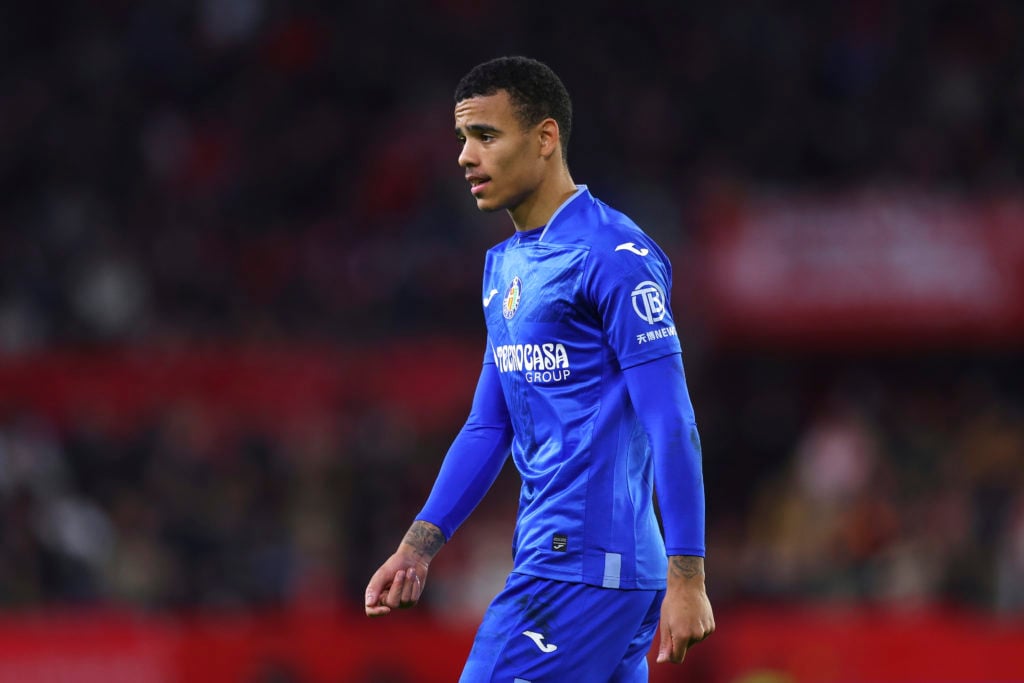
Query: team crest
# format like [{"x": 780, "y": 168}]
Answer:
[{"x": 510, "y": 303}]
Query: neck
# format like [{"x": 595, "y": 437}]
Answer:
[{"x": 538, "y": 208}]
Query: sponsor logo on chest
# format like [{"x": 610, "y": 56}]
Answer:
[{"x": 539, "y": 363}]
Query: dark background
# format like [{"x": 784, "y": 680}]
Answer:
[{"x": 196, "y": 180}]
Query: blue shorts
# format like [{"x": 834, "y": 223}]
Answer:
[{"x": 541, "y": 631}]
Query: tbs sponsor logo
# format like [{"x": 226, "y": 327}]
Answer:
[{"x": 649, "y": 302}]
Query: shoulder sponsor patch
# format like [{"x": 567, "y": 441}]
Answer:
[
  {"x": 655, "y": 335},
  {"x": 649, "y": 302}
]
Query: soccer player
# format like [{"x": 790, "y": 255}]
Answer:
[{"x": 583, "y": 383}]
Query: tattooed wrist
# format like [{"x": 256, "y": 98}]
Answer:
[
  {"x": 425, "y": 538},
  {"x": 685, "y": 566}
]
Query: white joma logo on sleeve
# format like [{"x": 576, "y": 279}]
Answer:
[
  {"x": 629, "y": 246},
  {"x": 538, "y": 640}
]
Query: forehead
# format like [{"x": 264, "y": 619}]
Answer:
[{"x": 493, "y": 110}]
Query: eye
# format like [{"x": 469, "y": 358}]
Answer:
[{"x": 486, "y": 137}]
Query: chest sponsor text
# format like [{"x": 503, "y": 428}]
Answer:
[{"x": 541, "y": 363}]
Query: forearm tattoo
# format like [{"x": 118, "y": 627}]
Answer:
[
  {"x": 425, "y": 538},
  {"x": 686, "y": 566}
]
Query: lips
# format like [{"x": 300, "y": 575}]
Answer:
[{"x": 478, "y": 183}]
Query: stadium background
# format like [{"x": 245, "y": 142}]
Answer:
[{"x": 239, "y": 325}]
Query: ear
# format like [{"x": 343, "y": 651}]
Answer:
[{"x": 548, "y": 135}]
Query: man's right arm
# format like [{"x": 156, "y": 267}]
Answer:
[
  {"x": 472, "y": 464},
  {"x": 400, "y": 580},
  {"x": 475, "y": 458},
  {"x": 424, "y": 539}
]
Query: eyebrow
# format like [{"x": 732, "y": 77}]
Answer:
[{"x": 478, "y": 128}]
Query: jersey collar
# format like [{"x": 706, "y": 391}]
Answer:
[{"x": 580, "y": 190}]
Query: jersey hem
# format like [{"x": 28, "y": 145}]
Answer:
[{"x": 596, "y": 580}]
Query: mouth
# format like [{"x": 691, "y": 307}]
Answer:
[{"x": 478, "y": 183}]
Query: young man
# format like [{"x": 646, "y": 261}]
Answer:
[{"x": 583, "y": 381}]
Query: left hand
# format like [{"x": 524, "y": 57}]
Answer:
[{"x": 686, "y": 616}]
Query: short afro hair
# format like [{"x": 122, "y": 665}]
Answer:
[{"x": 535, "y": 90}]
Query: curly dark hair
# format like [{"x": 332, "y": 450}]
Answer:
[{"x": 535, "y": 90}]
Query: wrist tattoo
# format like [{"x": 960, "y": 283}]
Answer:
[
  {"x": 425, "y": 538},
  {"x": 686, "y": 566}
]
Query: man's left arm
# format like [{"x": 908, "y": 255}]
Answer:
[{"x": 659, "y": 394}]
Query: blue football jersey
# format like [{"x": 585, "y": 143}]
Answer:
[{"x": 568, "y": 307}]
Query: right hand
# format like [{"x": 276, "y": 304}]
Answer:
[{"x": 398, "y": 583}]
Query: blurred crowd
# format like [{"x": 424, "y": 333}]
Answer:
[
  {"x": 180, "y": 169},
  {"x": 888, "y": 481},
  {"x": 174, "y": 172},
  {"x": 895, "y": 481}
]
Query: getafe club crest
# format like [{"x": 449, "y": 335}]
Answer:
[{"x": 510, "y": 303}]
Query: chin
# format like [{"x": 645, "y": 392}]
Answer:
[{"x": 488, "y": 206}]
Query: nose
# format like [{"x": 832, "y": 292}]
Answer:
[{"x": 467, "y": 157}]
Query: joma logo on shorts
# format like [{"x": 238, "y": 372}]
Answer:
[{"x": 538, "y": 639}]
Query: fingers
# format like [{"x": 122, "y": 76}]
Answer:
[
  {"x": 374, "y": 598},
  {"x": 405, "y": 589},
  {"x": 411, "y": 589},
  {"x": 664, "y": 647},
  {"x": 673, "y": 649},
  {"x": 377, "y": 610},
  {"x": 394, "y": 598},
  {"x": 403, "y": 592}
]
